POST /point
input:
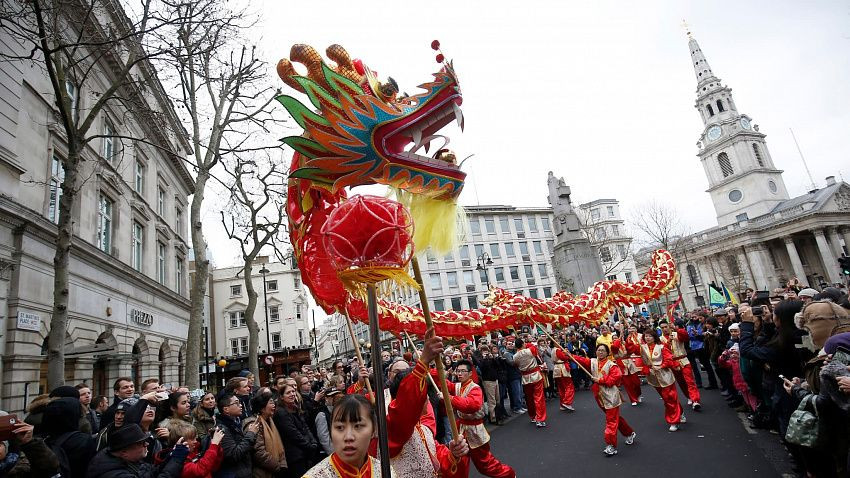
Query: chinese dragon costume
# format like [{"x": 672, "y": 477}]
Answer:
[{"x": 356, "y": 135}]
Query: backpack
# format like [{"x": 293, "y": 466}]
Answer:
[
  {"x": 56, "y": 448},
  {"x": 804, "y": 426}
]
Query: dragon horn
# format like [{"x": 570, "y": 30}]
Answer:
[
  {"x": 345, "y": 67},
  {"x": 286, "y": 72}
]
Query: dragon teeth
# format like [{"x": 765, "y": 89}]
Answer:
[
  {"x": 458, "y": 115},
  {"x": 416, "y": 135}
]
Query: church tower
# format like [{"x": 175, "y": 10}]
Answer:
[{"x": 742, "y": 179}]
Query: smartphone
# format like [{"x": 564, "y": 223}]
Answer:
[
  {"x": 842, "y": 355},
  {"x": 7, "y": 424}
]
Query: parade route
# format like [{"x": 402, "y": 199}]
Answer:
[{"x": 712, "y": 443}]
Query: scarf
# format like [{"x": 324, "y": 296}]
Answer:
[{"x": 274, "y": 446}]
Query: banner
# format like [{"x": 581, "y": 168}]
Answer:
[
  {"x": 715, "y": 297},
  {"x": 730, "y": 297}
]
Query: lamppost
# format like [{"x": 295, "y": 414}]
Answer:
[
  {"x": 265, "y": 271},
  {"x": 484, "y": 261}
]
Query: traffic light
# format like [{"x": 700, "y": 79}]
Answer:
[{"x": 844, "y": 263}]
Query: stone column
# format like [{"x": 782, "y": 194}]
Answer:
[
  {"x": 755, "y": 256},
  {"x": 845, "y": 232},
  {"x": 830, "y": 263},
  {"x": 835, "y": 241},
  {"x": 83, "y": 370},
  {"x": 796, "y": 264}
]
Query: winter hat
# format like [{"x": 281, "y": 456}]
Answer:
[
  {"x": 62, "y": 415},
  {"x": 125, "y": 404},
  {"x": 807, "y": 292},
  {"x": 735, "y": 326},
  {"x": 244, "y": 373},
  {"x": 837, "y": 340},
  {"x": 126, "y": 436},
  {"x": 65, "y": 391}
]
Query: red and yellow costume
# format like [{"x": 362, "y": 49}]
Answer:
[
  {"x": 468, "y": 403},
  {"x": 607, "y": 395},
  {"x": 684, "y": 373},
  {"x": 334, "y": 467},
  {"x": 533, "y": 385},
  {"x": 624, "y": 352},
  {"x": 660, "y": 362},
  {"x": 563, "y": 379},
  {"x": 410, "y": 434}
]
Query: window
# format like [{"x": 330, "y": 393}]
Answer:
[
  {"x": 490, "y": 225},
  {"x": 610, "y": 211},
  {"x": 720, "y": 108},
  {"x": 529, "y": 273},
  {"x": 494, "y": 251},
  {"x": 594, "y": 214},
  {"x": 541, "y": 269},
  {"x": 523, "y": 248},
  {"x": 237, "y": 319},
  {"x": 547, "y": 292},
  {"x": 756, "y": 151},
  {"x": 435, "y": 282},
  {"x": 509, "y": 249},
  {"x": 468, "y": 278},
  {"x": 160, "y": 262},
  {"x": 235, "y": 290},
  {"x": 139, "y": 183},
  {"x": 104, "y": 224},
  {"x": 71, "y": 88},
  {"x": 735, "y": 195},
  {"x": 725, "y": 165},
  {"x": 464, "y": 253},
  {"x": 605, "y": 254},
  {"x": 615, "y": 230},
  {"x": 239, "y": 346},
  {"x": 108, "y": 141},
  {"x": 514, "y": 273},
  {"x": 479, "y": 249},
  {"x": 546, "y": 226},
  {"x": 732, "y": 265},
  {"x": 178, "y": 221},
  {"x": 518, "y": 225},
  {"x": 160, "y": 202},
  {"x": 500, "y": 274},
  {"x": 296, "y": 282},
  {"x": 271, "y": 285},
  {"x": 138, "y": 244},
  {"x": 692, "y": 275},
  {"x": 439, "y": 305},
  {"x": 532, "y": 293},
  {"x": 550, "y": 244},
  {"x": 532, "y": 224},
  {"x": 482, "y": 275},
  {"x": 432, "y": 259},
  {"x": 504, "y": 224},
  {"x": 276, "y": 345},
  {"x": 300, "y": 336},
  {"x": 57, "y": 175},
  {"x": 743, "y": 217},
  {"x": 449, "y": 258},
  {"x": 475, "y": 226},
  {"x": 178, "y": 286},
  {"x": 451, "y": 278},
  {"x": 599, "y": 233},
  {"x": 274, "y": 313},
  {"x": 612, "y": 277},
  {"x": 538, "y": 247},
  {"x": 473, "y": 302},
  {"x": 621, "y": 250},
  {"x": 629, "y": 277},
  {"x": 297, "y": 311},
  {"x": 456, "y": 305},
  {"x": 710, "y": 110}
]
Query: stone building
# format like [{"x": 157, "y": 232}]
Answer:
[
  {"x": 763, "y": 236},
  {"x": 129, "y": 307}
]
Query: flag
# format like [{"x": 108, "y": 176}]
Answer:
[
  {"x": 730, "y": 297},
  {"x": 672, "y": 307},
  {"x": 715, "y": 297}
]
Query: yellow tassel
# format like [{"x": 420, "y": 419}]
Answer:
[
  {"x": 387, "y": 280},
  {"x": 438, "y": 224}
]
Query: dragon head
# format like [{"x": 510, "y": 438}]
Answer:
[{"x": 364, "y": 133}]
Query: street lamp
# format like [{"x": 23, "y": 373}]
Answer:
[
  {"x": 484, "y": 261},
  {"x": 265, "y": 271}
]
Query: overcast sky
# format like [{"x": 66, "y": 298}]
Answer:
[{"x": 602, "y": 93}]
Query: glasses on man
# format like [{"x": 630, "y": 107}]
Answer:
[
  {"x": 237, "y": 402},
  {"x": 461, "y": 370}
]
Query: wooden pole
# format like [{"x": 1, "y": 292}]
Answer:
[
  {"x": 359, "y": 357},
  {"x": 416, "y": 353},
  {"x": 562, "y": 348},
  {"x": 374, "y": 334},
  {"x": 441, "y": 368}
]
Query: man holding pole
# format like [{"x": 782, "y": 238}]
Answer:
[{"x": 525, "y": 360}]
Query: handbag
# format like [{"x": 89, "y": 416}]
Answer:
[{"x": 804, "y": 426}]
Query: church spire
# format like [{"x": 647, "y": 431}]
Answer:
[{"x": 701, "y": 68}]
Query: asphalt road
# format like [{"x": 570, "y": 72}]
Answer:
[{"x": 713, "y": 443}]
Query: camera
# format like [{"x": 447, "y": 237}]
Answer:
[{"x": 758, "y": 311}]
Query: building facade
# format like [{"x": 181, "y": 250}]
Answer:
[
  {"x": 128, "y": 298},
  {"x": 763, "y": 237},
  {"x": 285, "y": 300}
]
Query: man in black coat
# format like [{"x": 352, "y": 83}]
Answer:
[
  {"x": 123, "y": 388},
  {"x": 125, "y": 457},
  {"x": 61, "y": 429},
  {"x": 237, "y": 445}
]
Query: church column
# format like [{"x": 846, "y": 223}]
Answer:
[
  {"x": 845, "y": 232},
  {"x": 830, "y": 263},
  {"x": 835, "y": 241},
  {"x": 755, "y": 257},
  {"x": 796, "y": 264}
]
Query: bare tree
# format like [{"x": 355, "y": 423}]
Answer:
[
  {"x": 255, "y": 219},
  {"x": 225, "y": 96},
  {"x": 96, "y": 50},
  {"x": 732, "y": 272},
  {"x": 606, "y": 242}
]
